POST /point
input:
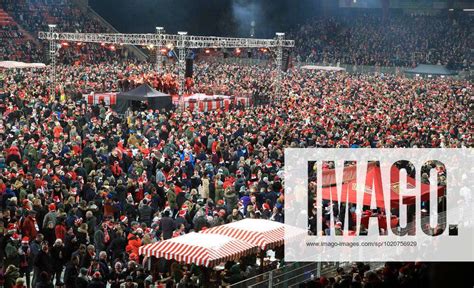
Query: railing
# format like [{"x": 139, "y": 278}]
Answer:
[
  {"x": 299, "y": 272},
  {"x": 293, "y": 274},
  {"x": 378, "y": 70},
  {"x": 352, "y": 69}
]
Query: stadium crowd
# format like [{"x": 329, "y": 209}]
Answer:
[
  {"x": 362, "y": 38},
  {"x": 82, "y": 188},
  {"x": 366, "y": 38},
  {"x": 15, "y": 46},
  {"x": 36, "y": 15}
]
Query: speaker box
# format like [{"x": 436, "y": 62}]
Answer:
[
  {"x": 189, "y": 68},
  {"x": 286, "y": 61}
]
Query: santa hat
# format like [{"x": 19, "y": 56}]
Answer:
[
  {"x": 182, "y": 213},
  {"x": 15, "y": 236},
  {"x": 11, "y": 228},
  {"x": 96, "y": 275},
  {"x": 52, "y": 206},
  {"x": 78, "y": 221},
  {"x": 25, "y": 240},
  {"x": 123, "y": 218},
  {"x": 265, "y": 206},
  {"x": 184, "y": 207},
  {"x": 160, "y": 184},
  {"x": 269, "y": 165}
]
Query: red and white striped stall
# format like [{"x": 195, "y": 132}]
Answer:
[
  {"x": 265, "y": 234},
  {"x": 201, "y": 249},
  {"x": 96, "y": 98},
  {"x": 205, "y": 103}
]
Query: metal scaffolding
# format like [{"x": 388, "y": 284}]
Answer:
[
  {"x": 182, "y": 42},
  {"x": 279, "y": 63},
  {"x": 159, "y": 58},
  {"x": 181, "y": 45},
  {"x": 52, "y": 61}
]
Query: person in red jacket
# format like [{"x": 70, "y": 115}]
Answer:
[
  {"x": 13, "y": 155},
  {"x": 60, "y": 229},
  {"x": 116, "y": 170},
  {"x": 134, "y": 241},
  {"x": 29, "y": 228}
]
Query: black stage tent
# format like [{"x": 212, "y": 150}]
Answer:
[{"x": 155, "y": 99}]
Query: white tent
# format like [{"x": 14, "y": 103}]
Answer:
[
  {"x": 20, "y": 65},
  {"x": 323, "y": 68}
]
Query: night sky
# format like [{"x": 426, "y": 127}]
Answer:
[{"x": 206, "y": 17}]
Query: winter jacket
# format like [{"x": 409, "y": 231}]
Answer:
[
  {"x": 58, "y": 257},
  {"x": 49, "y": 217},
  {"x": 28, "y": 227},
  {"x": 70, "y": 275},
  {"x": 43, "y": 262},
  {"x": 99, "y": 237},
  {"x": 12, "y": 257},
  {"x": 145, "y": 214},
  {"x": 133, "y": 244},
  {"x": 10, "y": 276},
  {"x": 167, "y": 226}
]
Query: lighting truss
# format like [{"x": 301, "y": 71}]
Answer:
[
  {"x": 191, "y": 41},
  {"x": 182, "y": 42}
]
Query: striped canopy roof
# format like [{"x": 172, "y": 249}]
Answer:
[
  {"x": 264, "y": 234},
  {"x": 201, "y": 249}
]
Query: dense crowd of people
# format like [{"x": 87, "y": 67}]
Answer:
[
  {"x": 35, "y": 15},
  {"x": 366, "y": 38},
  {"x": 14, "y": 46},
  {"x": 82, "y": 187},
  {"x": 92, "y": 186}
]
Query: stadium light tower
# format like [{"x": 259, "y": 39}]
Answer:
[{"x": 159, "y": 44}]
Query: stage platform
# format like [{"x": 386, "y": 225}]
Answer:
[{"x": 195, "y": 102}]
